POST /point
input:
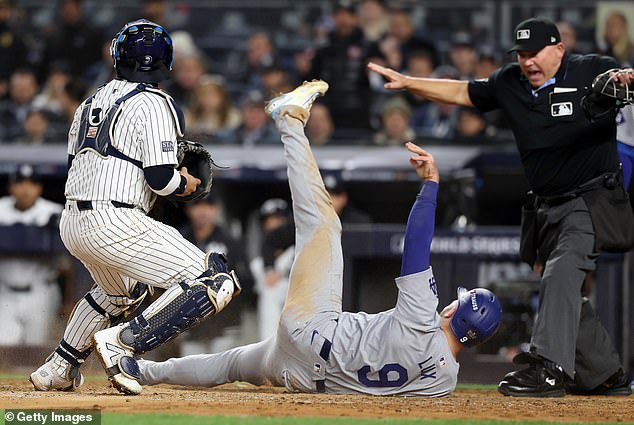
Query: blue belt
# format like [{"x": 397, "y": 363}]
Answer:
[{"x": 324, "y": 353}]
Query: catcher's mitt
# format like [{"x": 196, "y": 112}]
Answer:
[
  {"x": 607, "y": 94},
  {"x": 199, "y": 164}
]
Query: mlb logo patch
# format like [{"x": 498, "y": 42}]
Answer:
[
  {"x": 561, "y": 109},
  {"x": 317, "y": 368},
  {"x": 442, "y": 361},
  {"x": 92, "y": 132},
  {"x": 167, "y": 146},
  {"x": 523, "y": 34}
]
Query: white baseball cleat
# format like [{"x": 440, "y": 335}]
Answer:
[
  {"x": 116, "y": 359},
  {"x": 302, "y": 97},
  {"x": 56, "y": 374}
]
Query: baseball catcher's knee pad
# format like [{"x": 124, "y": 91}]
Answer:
[{"x": 182, "y": 306}]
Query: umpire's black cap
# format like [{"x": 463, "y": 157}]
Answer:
[
  {"x": 24, "y": 172},
  {"x": 534, "y": 34}
]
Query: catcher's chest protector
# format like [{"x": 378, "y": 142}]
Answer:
[{"x": 96, "y": 126}]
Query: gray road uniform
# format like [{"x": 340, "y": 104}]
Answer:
[{"x": 318, "y": 348}]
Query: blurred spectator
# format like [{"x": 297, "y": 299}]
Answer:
[
  {"x": 156, "y": 11},
  {"x": 29, "y": 296},
  {"x": 618, "y": 40},
  {"x": 319, "y": 127},
  {"x": 373, "y": 19},
  {"x": 13, "y": 52},
  {"x": 276, "y": 80},
  {"x": 396, "y": 124},
  {"x": 73, "y": 39},
  {"x": 341, "y": 202},
  {"x": 271, "y": 280},
  {"x": 188, "y": 71},
  {"x": 49, "y": 97},
  {"x": 487, "y": 63},
  {"x": 23, "y": 88},
  {"x": 72, "y": 96},
  {"x": 401, "y": 41},
  {"x": 440, "y": 119},
  {"x": 259, "y": 56},
  {"x": 463, "y": 56},
  {"x": 341, "y": 62},
  {"x": 420, "y": 64},
  {"x": 211, "y": 112},
  {"x": 471, "y": 126},
  {"x": 101, "y": 72},
  {"x": 205, "y": 231},
  {"x": 256, "y": 128},
  {"x": 39, "y": 127},
  {"x": 568, "y": 36}
]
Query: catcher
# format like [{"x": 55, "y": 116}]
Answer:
[{"x": 123, "y": 152}]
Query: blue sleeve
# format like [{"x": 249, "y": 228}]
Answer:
[
  {"x": 420, "y": 230},
  {"x": 159, "y": 176}
]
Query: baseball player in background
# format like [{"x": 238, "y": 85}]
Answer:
[
  {"x": 409, "y": 350},
  {"x": 122, "y": 154},
  {"x": 29, "y": 297},
  {"x": 271, "y": 280}
]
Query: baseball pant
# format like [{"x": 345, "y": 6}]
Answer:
[
  {"x": 567, "y": 330},
  {"x": 26, "y": 317},
  {"x": 312, "y": 305},
  {"x": 120, "y": 246}
]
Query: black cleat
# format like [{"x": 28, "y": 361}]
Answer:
[
  {"x": 542, "y": 378},
  {"x": 616, "y": 385}
]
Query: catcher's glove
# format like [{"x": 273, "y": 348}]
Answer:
[
  {"x": 199, "y": 164},
  {"x": 607, "y": 94}
]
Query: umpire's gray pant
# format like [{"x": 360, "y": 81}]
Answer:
[{"x": 567, "y": 330}]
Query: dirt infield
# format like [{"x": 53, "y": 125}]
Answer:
[{"x": 244, "y": 399}]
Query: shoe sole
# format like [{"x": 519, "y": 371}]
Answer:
[
  {"x": 71, "y": 388},
  {"x": 113, "y": 382},
  {"x": 270, "y": 108},
  {"x": 545, "y": 394}
]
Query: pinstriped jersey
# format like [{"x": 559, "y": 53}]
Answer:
[{"x": 144, "y": 130}]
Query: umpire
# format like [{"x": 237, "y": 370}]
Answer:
[{"x": 580, "y": 207}]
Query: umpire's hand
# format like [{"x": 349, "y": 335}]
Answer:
[
  {"x": 192, "y": 182},
  {"x": 423, "y": 162}
]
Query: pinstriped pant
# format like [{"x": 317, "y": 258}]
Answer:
[{"x": 120, "y": 246}]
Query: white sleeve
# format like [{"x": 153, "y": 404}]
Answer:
[
  {"x": 417, "y": 301},
  {"x": 158, "y": 133},
  {"x": 73, "y": 133}
]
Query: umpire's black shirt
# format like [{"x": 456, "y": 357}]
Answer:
[{"x": 559, "y": 146}]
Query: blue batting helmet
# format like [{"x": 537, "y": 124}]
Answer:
[
  {"x": 477, "y": 317},
  {"x": 143, "y": 52}
]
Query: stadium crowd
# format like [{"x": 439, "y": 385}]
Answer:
[{"x": 46, "y": 70}]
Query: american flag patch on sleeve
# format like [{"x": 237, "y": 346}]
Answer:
[{"x": 167, "y": 146}]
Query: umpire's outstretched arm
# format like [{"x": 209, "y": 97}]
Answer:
[{"x": 434, "y": 89}]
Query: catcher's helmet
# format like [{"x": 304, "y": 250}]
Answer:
[
  {"x": 477, "y": 317},
  {"x": 143, "y": 52}
]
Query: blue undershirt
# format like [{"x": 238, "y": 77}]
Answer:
[{"x": 420, "y": 230}]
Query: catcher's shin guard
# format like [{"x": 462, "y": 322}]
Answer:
[{"x": 183, "y": 306}]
